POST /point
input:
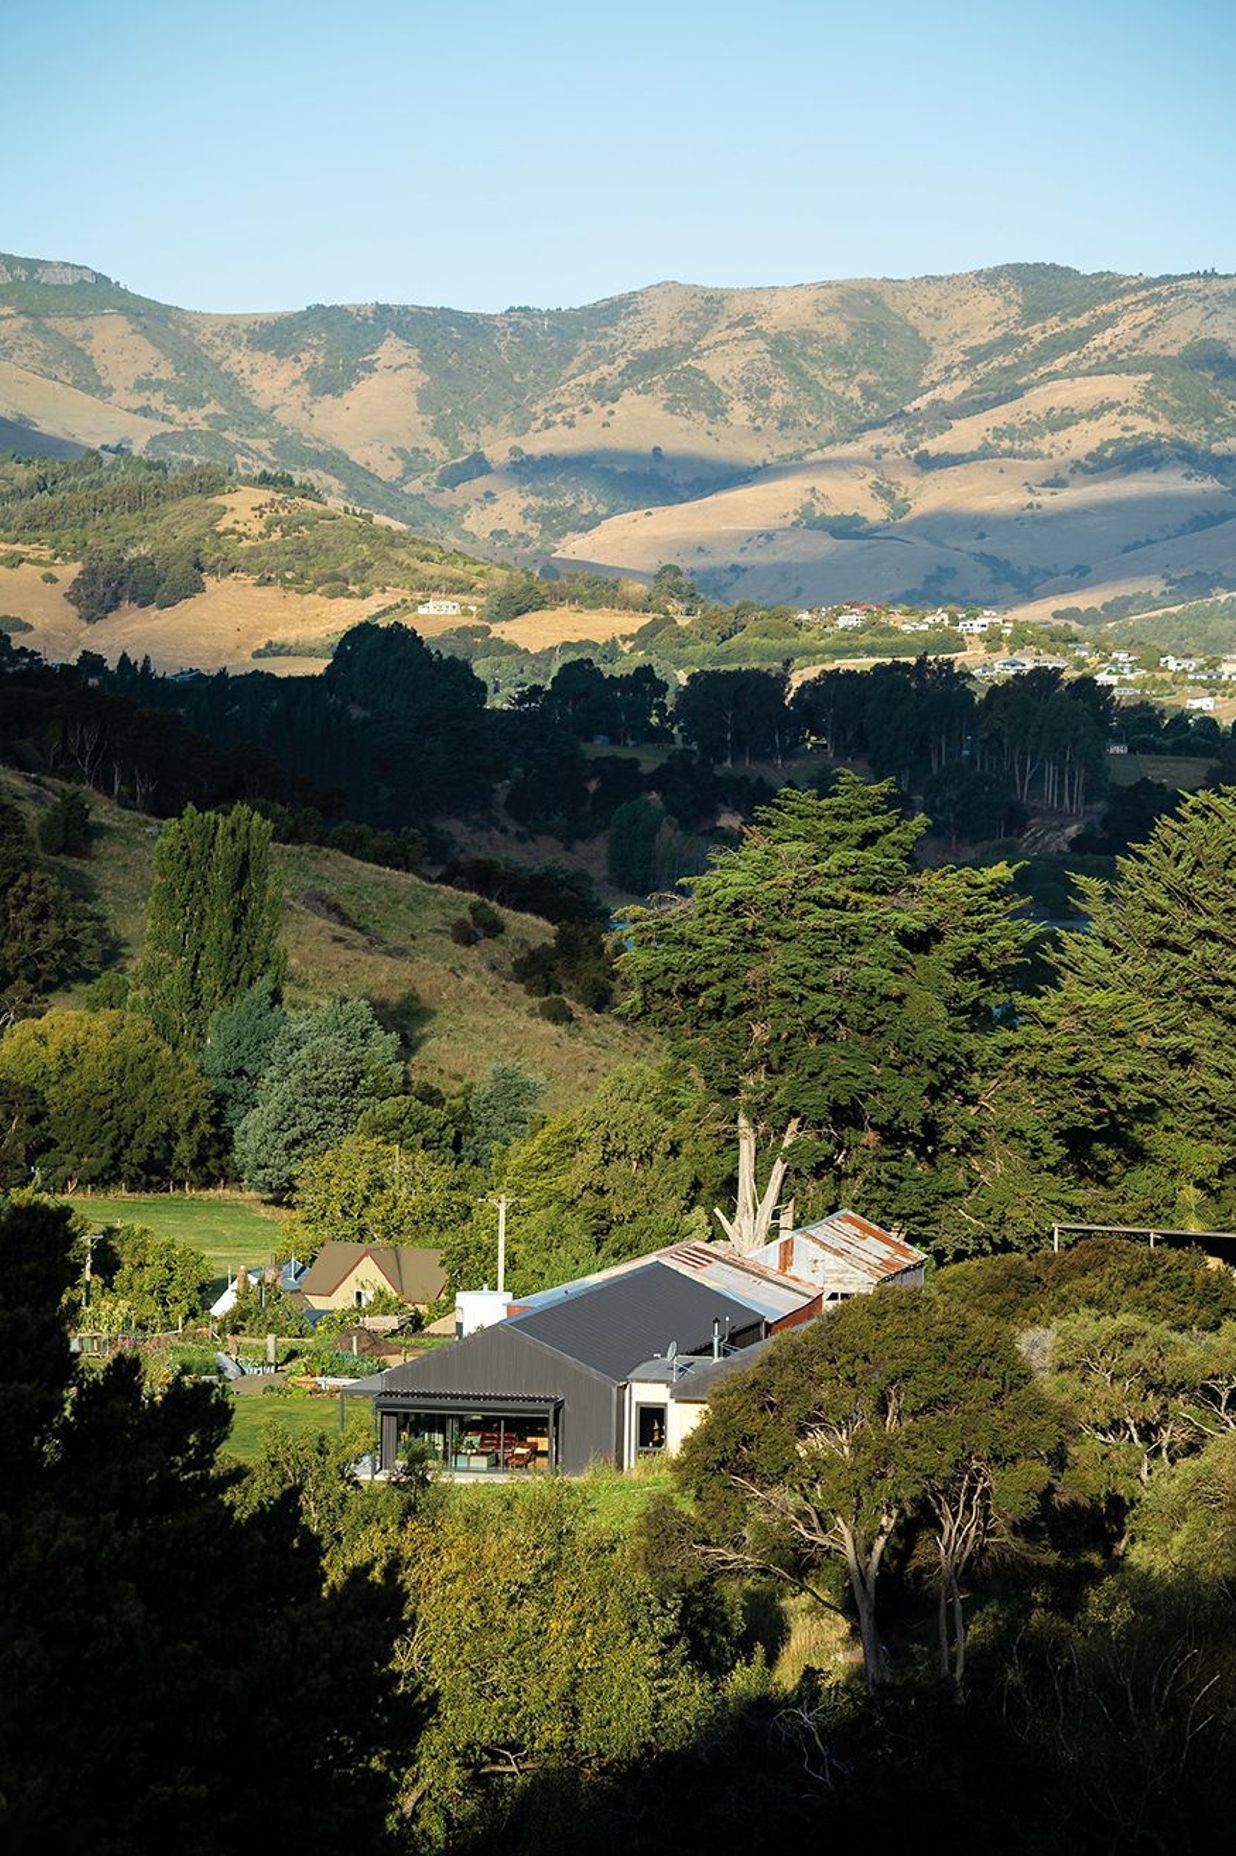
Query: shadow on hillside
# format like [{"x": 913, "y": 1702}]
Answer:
[{"x": 407, "y": 1016}]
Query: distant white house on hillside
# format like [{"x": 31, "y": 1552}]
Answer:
[
  {"x": 1180, "y": 663},
  {"x": 973, "y": 628},
  {"x": 1205, "y": 703},
  {"x": 849, "y": 621},
  {"x": 440, "y": 608}
]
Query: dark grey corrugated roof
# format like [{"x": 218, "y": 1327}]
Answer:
[
  {"x": 612, "y": 1326},
  {"x": 694, "y": 1387},
  {"x": 694, "y": 1370}
]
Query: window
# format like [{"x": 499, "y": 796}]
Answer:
[
  {"x": 649, "y": 1428},
  {"x": 478, "y": 1442}
]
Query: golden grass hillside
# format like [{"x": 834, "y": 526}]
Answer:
[
  {"x": 353, "y": 929},
  {"x": 1008, "y": 434}
]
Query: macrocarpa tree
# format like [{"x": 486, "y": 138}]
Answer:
[
  {"x": 835, "y": 998},
  {"x": 899, "y": 1409},
  {"x": 1122, "y": 1074}
]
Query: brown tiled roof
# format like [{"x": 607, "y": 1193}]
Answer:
[{"x": 414, "y": 1274}]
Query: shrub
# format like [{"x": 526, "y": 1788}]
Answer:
[
  {"x": 555, "y": 1010},
  {"x": 463, "y": 933},
  {"x": 577, "y": 962},
  {"x": 486, "y": 919},
  {"x": 64, "y": 829}
]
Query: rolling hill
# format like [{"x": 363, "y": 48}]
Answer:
[
  {"x": 1014, "y": 434},
  {"x": 355, "y": 930}
]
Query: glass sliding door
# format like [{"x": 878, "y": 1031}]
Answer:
[{"x": 477, "y": 1442}]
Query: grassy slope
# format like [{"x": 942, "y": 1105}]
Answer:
[
  {"x": 230, "y": 1228},
  {"x": 278, "y": 567},
  {"x": 458, "y": 1006}
]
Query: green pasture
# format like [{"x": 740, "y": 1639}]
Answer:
[
  {"x": 285, "y": 1414},
  {"x": 230, "y": 1228}
]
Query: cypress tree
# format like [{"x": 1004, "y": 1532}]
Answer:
[
  {"x": 1123, "y": 1072},
  {"x": 213, "y": 921},
  {"x": 837, "y": 999}
]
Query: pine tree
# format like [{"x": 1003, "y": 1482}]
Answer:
[
  {"x": 213, "y": 921},
  {"x": 45, "y": 936},
  {"x": 238, "y": 1046},
  {"x": 501, "y": 1110}
]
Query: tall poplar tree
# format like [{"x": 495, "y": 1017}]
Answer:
[{"x": 213, "y": 920}]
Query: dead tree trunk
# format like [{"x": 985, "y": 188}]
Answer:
[{"x": 751, "y": 1222}]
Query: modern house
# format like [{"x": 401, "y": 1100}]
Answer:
[
  {"x": 549, "y": 1388},
  {"x": 439, "y": 608},
  {"x": 350, "y": 1275},
  {"x": 618, "y": 1365},
  {"x": 843, "y": 1255}
]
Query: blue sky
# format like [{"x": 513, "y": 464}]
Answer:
[{"x": 265, "y": 155}]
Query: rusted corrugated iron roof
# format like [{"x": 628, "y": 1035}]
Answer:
[
  {"x": 854, "y": 1240},
  {"x": 772, "y": 1292}
]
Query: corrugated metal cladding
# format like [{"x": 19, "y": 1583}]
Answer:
[
  {"x": 696, "y": 1385},
  {"x": 501, "y": 1362},
  {"x": 578, "y": 1351}
]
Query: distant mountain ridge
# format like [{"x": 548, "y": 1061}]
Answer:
[{"x": 1022, "y": 433}]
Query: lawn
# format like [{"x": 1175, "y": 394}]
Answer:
[
  {"x": 292, "y": 1414},
  {"x": 230, "y": 1227},
  {"x": 1186, "y": 772},
  {"x": 616, "y": 1498}
]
